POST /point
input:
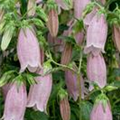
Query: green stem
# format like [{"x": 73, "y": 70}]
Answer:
[{"x": 64, "y": 66}]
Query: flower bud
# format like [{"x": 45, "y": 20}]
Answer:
[
  {"x": 39, "y": 93},
  {"x": 116, "y": 37},
  {"x": 53, "y": 23},
  {"x": 65, "y": 108},
  {"x": 15, "y": 103},
  {"x": 96, "y": 35},
  {"x": 79, "y": 37},
  {"x": 96, "y": 70},
  {"x": 28, "y": 50},
  {"x": 66, "y": 54}
]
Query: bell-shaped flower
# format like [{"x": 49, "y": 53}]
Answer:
[
  {"x": 40, "y": 92},
  {"x": 116, "y": 37},
  {"x": 73, "y": 85},
  {"x": 101, "y": 111},
  {"x": 15, "y": 103},
  {"x": 96, "y": 35},
  {"x": 28, "y": 50},
  {"x": 96, "y": 70},
  {"x": 79, "y": 6}
]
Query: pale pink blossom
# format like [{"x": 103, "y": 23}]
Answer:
[
  {"x": 15, "y": 103},
  {"x": 96, "y": 35},
  {"x": 96, "y": 70},
  {"x": 28, "y": 50},
  {"x": 40, "y": 92}
]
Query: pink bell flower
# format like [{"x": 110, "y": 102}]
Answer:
[
  {"x": 96, "y": 35},
  {"x": 28, "y": 50},
  {"x": 39, "y": 93},
  {"x": 96, "y": 70},
  {"x": 79, "y": 6},
  {"x": 100, "y": 112},
  {"x": 15, "y": 103},
  {"x": 73, "y": 86}
]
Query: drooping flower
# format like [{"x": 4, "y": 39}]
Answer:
[
  {"x": 79, "y": 6},
  {"x": 96, "y": 70},
  {"x": 39, "y": 93},
  {"x": 53, "y": 23},
  {"x": 101, "y": 111},
  {"x": 15, "y": 103},
  {"x": 28, "y": 50},
  {"x": 116, "y": 37},
  {"x": 72, "y": 83},
  {"x": 65, "y": 108},
  {"x": 96, "y": 35}
]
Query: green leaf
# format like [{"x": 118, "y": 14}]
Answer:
[
  {"x": 40, "y": 12},
  {"x": 86, "y": 108},
  {"x": 6, "y": 77},
  {"x": 30, "y": 79},
  {"x": 78, "y": 26},
  {"x": 7, "y": 36},
  {"x": 38, "y": 22}
]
